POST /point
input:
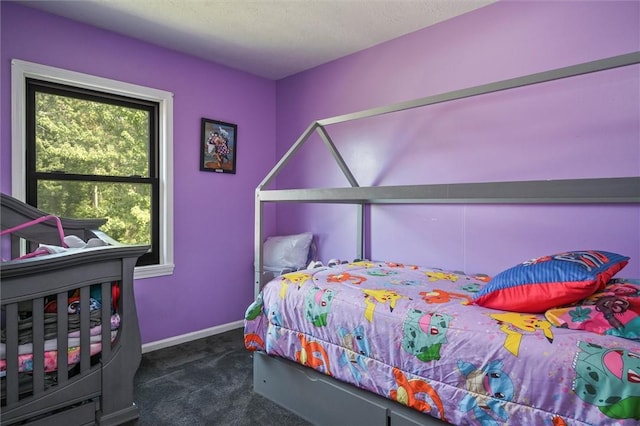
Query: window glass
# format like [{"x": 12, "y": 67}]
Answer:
[
  {"x": 127, "y": 206},
  {"x": 92, "y": 155},
  {"x": 87, "y": 137}
]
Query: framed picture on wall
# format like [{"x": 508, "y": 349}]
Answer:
[{"x": 218, "y": 145}]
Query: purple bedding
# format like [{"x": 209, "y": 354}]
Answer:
[{"x": 408, "y": 333}]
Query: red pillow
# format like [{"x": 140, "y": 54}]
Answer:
[{"x": 550, "y": 281}]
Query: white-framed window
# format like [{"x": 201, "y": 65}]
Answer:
[{"x": 46, "y": 160}]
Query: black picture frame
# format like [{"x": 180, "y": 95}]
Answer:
[{"x": 218, "y": 146}]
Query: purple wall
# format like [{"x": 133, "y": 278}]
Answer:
[
  {"x": 590, "y": 125},
  {"x": 583, "y": 127},
  {"x": 213, "y": 215}
]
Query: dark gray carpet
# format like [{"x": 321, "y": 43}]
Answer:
[{"x": 204, "y": 382}]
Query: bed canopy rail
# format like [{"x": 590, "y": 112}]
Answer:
[
  {"x": 513, "y": 83},
  {"x": 566, "y": 191}
]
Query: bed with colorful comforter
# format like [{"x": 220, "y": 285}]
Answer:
[{"x": 416, "y": 335}]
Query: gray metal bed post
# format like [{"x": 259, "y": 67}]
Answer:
[
  {"x": 259, "y": 210},
  {"x": 258, "y": 265}
]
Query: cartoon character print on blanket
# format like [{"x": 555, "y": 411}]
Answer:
[
  {"x": 357, "y": 351},
  {"x": 254, "y": 310},
  {"x": 346, "y": 277},
  {"x": 375, "y": 297},
  {"x": 614, "y": 311},
  {"x": 489, "y": 387},
  {"x": 424, "y": 333},
  {"x": 516, "y": 326},
  {"x": 443, "y": 296},
  {"x": 416, "y": 393},
  {"x": 318, "y": 305},
  {"x": 298, "y": 278},
  {"x": 275, "y": 331},
  {"x": 313, "y": 354},
  {"x": 609, "y": 379}
]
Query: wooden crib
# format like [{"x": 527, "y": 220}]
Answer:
[{"x": 60, "y": 365}]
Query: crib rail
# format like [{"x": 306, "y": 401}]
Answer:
[
  {"x": 35, "y": 330},
  {"x": 15, "y": 213}
]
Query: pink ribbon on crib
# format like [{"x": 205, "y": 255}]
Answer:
[{"x": 33, "y": 222}]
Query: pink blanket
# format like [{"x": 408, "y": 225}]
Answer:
[{"x": 614, "y": 311}]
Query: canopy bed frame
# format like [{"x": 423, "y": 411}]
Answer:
[{"x": 292, "y": 385}]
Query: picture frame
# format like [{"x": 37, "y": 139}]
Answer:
[{"x": 218, "y": 146}]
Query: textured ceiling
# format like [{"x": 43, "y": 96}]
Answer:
[{"x": 269, "y": 38}]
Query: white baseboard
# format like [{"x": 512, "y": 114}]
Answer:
[{"x": 195, "y": 335}]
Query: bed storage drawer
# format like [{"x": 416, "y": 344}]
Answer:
[
  {"x": 318, "y": 398},
  {"x": 325, "y": 401},
  {"x": 311, "y": 396},
  {"x": 404, "y": 416}
]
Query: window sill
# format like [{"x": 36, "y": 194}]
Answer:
[{"x": 151, "y": 271}]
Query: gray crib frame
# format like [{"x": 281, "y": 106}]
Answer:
[
  {"x": 98, "y": 394},
  {"x": 288, "y": 384}
]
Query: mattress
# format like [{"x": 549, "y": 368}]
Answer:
[{"x": 409, "y": 333}]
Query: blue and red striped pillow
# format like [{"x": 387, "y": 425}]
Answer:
[{"x": 550, "y": 281}]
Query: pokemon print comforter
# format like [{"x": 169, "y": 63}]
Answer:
[{"x": 408, "y": 333}]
